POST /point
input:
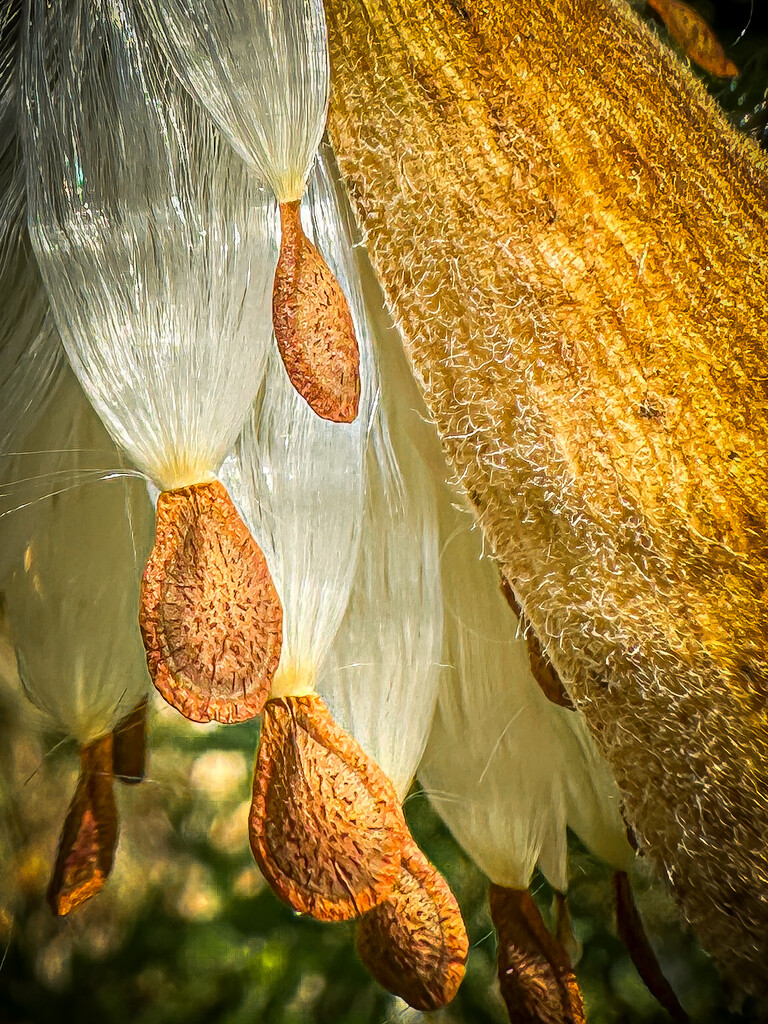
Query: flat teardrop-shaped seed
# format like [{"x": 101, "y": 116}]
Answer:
[
  {"x": 414, "y": 943},
  {"x": 209, "y": 614},
  {"x": 129, "y": 746},
  {"x": 313, "y": 325},
  {"x": 89, "y": 834},
  {"x": 326, "y": 826},
  {"x": 535, "y": 973},
  {"x": 695, "y": 37},
  {"x": 632, "y": 934}
]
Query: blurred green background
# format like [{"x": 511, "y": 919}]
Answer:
[{"x": 186, "y": 930}]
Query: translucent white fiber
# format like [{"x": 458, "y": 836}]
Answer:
[
  {"x": 155, "y": 244},
  {"x": 505, "y": 768},
  {"x": 301, "y": 487},
  {"x": 30, "y": 352},
  {"x": 72, "y": 592},
  {"x": 383, "y": 670},
  {"x": 261, "y": 68}
]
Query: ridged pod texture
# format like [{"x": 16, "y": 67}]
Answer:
[
  {"x": 415, "y": 943},
  {"x": 89, "y": 833},
  {"x": 535, "y": 973},
  {"x": 326, "y": 826},
  {"x": 210, "y": 617},
  {"x": 573, "y": 243}
]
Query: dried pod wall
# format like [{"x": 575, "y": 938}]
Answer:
[{"x": 573, "y": 242}]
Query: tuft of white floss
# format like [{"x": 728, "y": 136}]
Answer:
[
  {"x": 299, "y": 480},
  {"x": 156, "y": 245},
  {"x": 261, "y": 68},
  {"x": 382, "y": 674},
  {"x": 75, "y": 578},
  {"x": 505, "y": 768},
  {"x": 30, "y": 353}
]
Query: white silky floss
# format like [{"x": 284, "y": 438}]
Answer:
[
  {"x": 505, "y": 768},
  {"x": 384, "y": 667},
  {"x": 261, "y": 69},
  {"x": 156, "y": 246},
  {"x": 30, "y": 352},
  {"x": 77, "y": 579},
  {"x": 298, "y": 480}
]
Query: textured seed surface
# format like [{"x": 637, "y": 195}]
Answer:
[
  {"x": 695, "y": 37},
  {"x": 209, "y": 615},
  {"x": 535, "y": 973},
  {"x": 414, "y": 943},
  {"x": 313, "y": 325},
  {"x": 326, "y": 826},
  {"x": 129, "y": 746},
  {"x": 89, "y": 834},
  {"x": 632, "y": 934}
]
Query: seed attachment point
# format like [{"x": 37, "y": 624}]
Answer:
[
  {"x": 326, "y": 826},
  {"x": 209, "y": 614},
  {"x": 129, "y": 746},
  {"x": 313, "y": 325}
]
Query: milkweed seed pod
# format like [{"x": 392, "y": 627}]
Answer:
[
  {"x": 572, "y": 241},
  {"x": 381, "y": 677},
  {"x": 326, "y": 826},
  {"x": 30, "y": 353},
  {"x": 76, "y": 584},
  {"x": 260, "y": 67},
  {"x": 155, "y": 246}
]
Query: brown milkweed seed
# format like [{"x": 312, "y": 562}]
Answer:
[
  {"x": 414, "y": 943},
  {"x": 313, "y": 325},
  {"x": 632, "y": 934},
  {"x": 129, "y": 746},
  {"x": 89, "y": 834},
  {"x": 695, "y": 37},
  {"x": 326, "y": 826},
  {"x": 535, "y": 972},
  {"x": 209, "y": 614},
  {"x": 542, "y": 670}
]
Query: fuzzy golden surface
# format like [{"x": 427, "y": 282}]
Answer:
[{"x": 573, "y": 243}]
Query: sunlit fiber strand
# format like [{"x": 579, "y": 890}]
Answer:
[
  {"x": 261, "y": 68},
  {"x": 155, "y": 244}
]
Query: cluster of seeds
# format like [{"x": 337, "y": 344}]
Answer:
[{"x": 309, "y": 563}]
